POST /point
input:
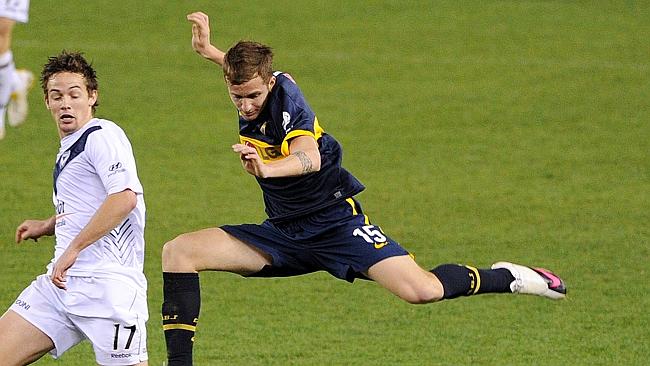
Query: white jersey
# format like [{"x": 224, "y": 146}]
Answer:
[
  {"x": 17, "y": 10},
  {"x": 92, "y": 163}
]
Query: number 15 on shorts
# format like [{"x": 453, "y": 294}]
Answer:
[{"x": 372, "y": 235}]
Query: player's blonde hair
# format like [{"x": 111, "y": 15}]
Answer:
[{"x": 246, "y": 60}]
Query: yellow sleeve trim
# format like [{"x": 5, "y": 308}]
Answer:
[
  {"x": 285, "y": 144},
  {"x": 318, "y": 132}
]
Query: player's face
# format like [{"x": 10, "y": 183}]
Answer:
[
  {"x": 69, "y": 101},
  {"x": 250, "y": 97}
]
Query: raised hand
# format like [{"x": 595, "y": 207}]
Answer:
[{"x": 200, "y": 32}]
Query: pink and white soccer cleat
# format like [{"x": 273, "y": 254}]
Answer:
[{"x": 534, "y": 281}]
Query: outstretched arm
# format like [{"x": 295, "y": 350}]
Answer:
[
  {"x": 303, "y": 159},
  {"x": 34, "y": 229},
  {"x": 201, "y": 38},
  {"x": 110, "y": 214}
]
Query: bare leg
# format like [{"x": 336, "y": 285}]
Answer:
[
  {"x": 21, "y": 343},
  {"x": 406, "y": 279},
  {"x": 6, "y": 28},
  {"x": 212, "y": 249}
]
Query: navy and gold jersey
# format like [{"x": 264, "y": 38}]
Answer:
[{"x": 287, "y": 115}]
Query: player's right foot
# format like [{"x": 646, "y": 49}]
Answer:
[
  {"x": 18, "y": 106},
  {"x": 534, "y": 281}
]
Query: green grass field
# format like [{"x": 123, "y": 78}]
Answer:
[{"x": 484, "y": 131}]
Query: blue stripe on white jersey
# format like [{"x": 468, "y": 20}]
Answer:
[{"x": 72, "y": 152}]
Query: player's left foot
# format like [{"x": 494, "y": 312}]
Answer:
[
  {"x": 534, "y": 281},
  {"x": 18, "y": 106}
]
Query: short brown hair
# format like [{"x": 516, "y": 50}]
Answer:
[
  {"x": 246, "y": 60},
  {"x": 73, "y": 62}
]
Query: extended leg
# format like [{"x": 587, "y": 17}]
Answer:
[
  {"x": 403, "y": 277},
  {"x": 406, "y": 279}
]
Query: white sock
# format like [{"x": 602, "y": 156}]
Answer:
[{"x": 7, "y": 82}]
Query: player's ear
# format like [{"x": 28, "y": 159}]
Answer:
[
  {"x": 92, "y": 98},
  {"x": 271, "y": 82}
]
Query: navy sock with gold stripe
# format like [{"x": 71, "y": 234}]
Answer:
[
  {"x": 459, "y": 280},
  {"x": 180, "y": 313}
]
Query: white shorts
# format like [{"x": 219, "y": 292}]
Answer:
[
  {"x": 110, "y": 313},
  {"x": 17, "y": 10}
]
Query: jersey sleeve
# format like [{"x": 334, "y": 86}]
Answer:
[
  {"x": 111, "y": 154},
  {"x": 298, "y": 119}
]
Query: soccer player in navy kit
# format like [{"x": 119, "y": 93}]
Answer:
[{"x": 314, "y": 222}]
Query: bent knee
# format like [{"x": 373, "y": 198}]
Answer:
[
  {"x": 175, "y": 254},
  {"x": 172, "y": 249},
  {"x": 422, "y": 294}
]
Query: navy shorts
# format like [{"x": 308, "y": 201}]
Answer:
[{"x": 340, "y": 240}]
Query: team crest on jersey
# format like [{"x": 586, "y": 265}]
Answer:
[
  {"x": 64, "y": 158},
  {"x": 286, "y": 119}
]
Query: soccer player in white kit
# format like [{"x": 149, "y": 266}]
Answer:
[
  {"x": 14, "y": 84},
  {"x": 94, "y": 287}
]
